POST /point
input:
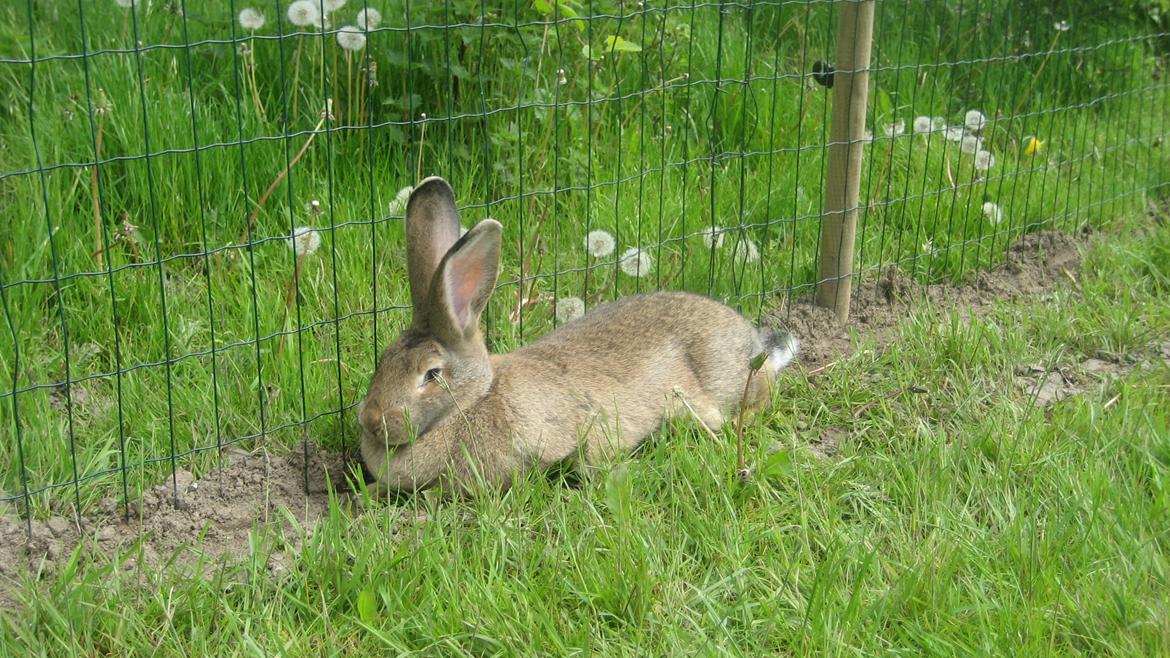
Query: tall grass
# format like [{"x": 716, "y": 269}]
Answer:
[{"x": 168, "y": 312}]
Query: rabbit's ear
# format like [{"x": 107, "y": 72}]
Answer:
[
  {"x": 432, "y": 228},
  {"x": 464, "y": 283}
]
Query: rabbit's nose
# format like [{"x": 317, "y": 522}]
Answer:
[{"x": 370, "y": 417}]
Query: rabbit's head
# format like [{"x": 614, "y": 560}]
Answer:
[{"x": 439, "y": 364}]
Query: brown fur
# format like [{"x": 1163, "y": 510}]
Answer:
[{"x": 595, "y": 386}]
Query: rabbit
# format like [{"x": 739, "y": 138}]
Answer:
[{"x": 441, "y": 410}]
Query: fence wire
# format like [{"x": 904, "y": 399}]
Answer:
[{"x": 202, "y": 240}]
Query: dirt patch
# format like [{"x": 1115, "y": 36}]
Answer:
[
  {"x": 211, "y": 516},
  {"x": 1036, "y": 264}
]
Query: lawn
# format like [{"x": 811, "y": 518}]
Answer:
[
  {"x": 957, "y": 516},
  {"x": 160, "y": 285}
]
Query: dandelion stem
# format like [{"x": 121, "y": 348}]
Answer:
[
  {"x": 296, "y": 74},
  {"x": 739, "y": 457},
  {"x": 255, "y": 88},
  {"x": 290, "y": 294},
  {"x": 422, "y": 140},
  {"x": 279, "y": 177},
  {"x": 349, "y": 88},
  {"x": 93, "y": 190}
]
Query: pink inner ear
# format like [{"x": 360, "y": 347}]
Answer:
[{"x": 464, "y": 272}]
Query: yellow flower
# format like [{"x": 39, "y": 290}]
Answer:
[{"x": 1032, "y": 146}]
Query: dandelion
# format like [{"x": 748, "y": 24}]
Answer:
[
  {"x": 895, "y": 129},
  {"x": 398, "y": 204},
  {"x": 304, "y": 13},
  {"x": 971, "y": 144},
  {"x": 984, "y": 160},
  {"x": 636, "y": 262},
  {"x": 351, "y": 38},
  {"x": 368, "y": 18},
  {"x": 1032, "y": 146},
  {"x": 333, "y": 5},
  {"x": 304, "y": 241},
  {"x": 992, "y": 212},
  {"x": 954, "y": 134},
  {"x": 746, "y": 250},
  {"x": 922, "y": 125},
  {"x": 1060, "y": 26},
  {"x": 561, "y": 78},
  {"x": 974, "y": 120},
  {"x": 938, "y": 124},
  {"x": 713, "y": 237},
  {"x": 599, "y": 244},
  {"x": 569, "y": 309},
  {"x": 250, "y": 19}
]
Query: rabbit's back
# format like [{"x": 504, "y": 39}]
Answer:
[{"x": 614, "y": 375}]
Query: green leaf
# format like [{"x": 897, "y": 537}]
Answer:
[
  {"x": 613, "y": 43},
  {"x": 618, "y": 44},
  {"x": 561, "y": 10},
  {"x": 778, "y": 464},
  {"x": 367, "y": 606}
]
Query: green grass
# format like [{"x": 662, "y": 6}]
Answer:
[
  {"x": 1043, "y": 533},
  {"x": 957, "y": 518},
  {"x": 179, "y": 339}
]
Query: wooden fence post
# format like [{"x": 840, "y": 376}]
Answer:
[{"x": 846, "y": 143}]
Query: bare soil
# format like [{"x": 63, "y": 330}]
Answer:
[
  {"x": 1037, "y": 263},
  {"x": 211, "y": 518},
  {"x": 186, "y": 519}
]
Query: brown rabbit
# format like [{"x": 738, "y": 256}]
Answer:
[{"x": 441, "y": 410}]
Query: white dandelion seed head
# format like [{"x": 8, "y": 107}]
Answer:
[
  {"x": 746, "y": 250},
  {"x": 954, "y": 134},
  {"x": 713, "y": 236},
  {"x": 636, "y": 262},
  {"x": 305, "y": 240},
  {"x": 368, "y": 18},
  {"x": 922, "y": 125},
  {"x": 398, "y": 203},
  {"x": 250, "y": 19},
  {"x": 894, "y": 129},
  {"x": 984, "y": 160},
  {"x": 1061, "y": 26},
  {"x": 332, "y": 5},
  {"x": 599, "y": 244},
  {"x": 304, "y": 13},
  {"x": 974, "y": 120},
  {"x": 938, "y": 124},
  {"x": 971, "y": 144},
  {"x": 992, "y": 212},
  {"x": 569, "y": 309},
  {"x": 561, "y": 78},
  {"x": 351, "y": 38}
]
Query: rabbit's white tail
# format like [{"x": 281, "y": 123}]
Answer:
[{"x": 782, "y": 349}]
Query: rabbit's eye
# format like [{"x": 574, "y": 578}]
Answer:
[{"x": 432, "y": 375}]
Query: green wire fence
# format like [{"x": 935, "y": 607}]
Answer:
[{"x": 202, "y": 202}]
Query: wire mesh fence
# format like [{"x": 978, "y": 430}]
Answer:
[{"x": 203, "y": 242}]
